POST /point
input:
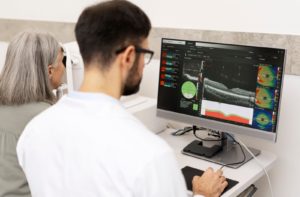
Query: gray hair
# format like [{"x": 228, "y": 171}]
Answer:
[{"x": 24, "y": 77}]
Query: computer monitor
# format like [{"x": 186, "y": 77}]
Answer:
[{"x": 223, "y": 87}]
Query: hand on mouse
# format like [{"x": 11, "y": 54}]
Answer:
[{"x": 210, "y": 184}]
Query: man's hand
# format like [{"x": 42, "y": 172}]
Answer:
[{"x": 210, "y": 184}]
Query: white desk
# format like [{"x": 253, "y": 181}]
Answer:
[{"x": 245, "y": 175}]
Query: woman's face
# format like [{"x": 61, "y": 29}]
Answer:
[{"x": 56, "y": 71}]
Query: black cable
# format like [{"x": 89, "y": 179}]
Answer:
[
  {"x": 223, "y": 138},
  {"x": 202, "y": 139},
  {"x": 227, "y": 134},
  {"x": 194, "y": 128},
  {"x": 239, "y": 162},
  {"x": 180, "y": 132}
]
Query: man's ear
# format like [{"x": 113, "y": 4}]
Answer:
[{"x": 128, "y": 57}]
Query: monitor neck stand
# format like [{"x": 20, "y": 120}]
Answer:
[{"x": 219, "y": 148}]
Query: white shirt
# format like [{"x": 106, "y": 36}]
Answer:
[{"x": 88, "y": 145}]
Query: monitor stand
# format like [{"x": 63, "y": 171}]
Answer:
[{"x": 223, "y": 152}]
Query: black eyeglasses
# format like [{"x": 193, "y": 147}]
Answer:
[{"x": 148, "y": 54}]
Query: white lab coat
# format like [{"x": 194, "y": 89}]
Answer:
[{"x": 88, "y": 145}]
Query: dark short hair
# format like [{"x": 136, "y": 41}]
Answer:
[{"x": 108, "y": 26}]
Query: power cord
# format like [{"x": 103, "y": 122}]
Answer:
[
  {"x": 223, "y": 138},
  {"x": 194, "y": 128},
  {"x": 180, "y": 132},
  {"x": 217, "y": 134},
  {"x": 259, "y": 163},
  {"x": 244, "y": 155}
]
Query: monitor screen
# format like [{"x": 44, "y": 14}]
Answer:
[{"x": 225, "y": 87}]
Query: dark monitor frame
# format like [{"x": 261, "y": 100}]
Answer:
[{"x": 216, "y": 124}]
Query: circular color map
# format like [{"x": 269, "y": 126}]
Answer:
[{"x": 188, "y": 89}]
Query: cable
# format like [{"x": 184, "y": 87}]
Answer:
[
  {"x": 180, "y": 132},
  {"x": 259, "y": 163},
  {"x": 239, "y": 162},
  {"x": 239, "y": 142},
  {"x": 222, "y": 138},
  {"x": 195, "y": 128},
  {"x": 207, "y": 140}
]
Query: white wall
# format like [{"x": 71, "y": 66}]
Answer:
[
  {"x": 44, "y": 10},
  {"x": 264, "y": 16}
]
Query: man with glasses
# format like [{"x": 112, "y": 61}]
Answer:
[{"x": 88, "y": 144}]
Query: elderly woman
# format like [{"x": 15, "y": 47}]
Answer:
[{"x": 33, "y": 68}]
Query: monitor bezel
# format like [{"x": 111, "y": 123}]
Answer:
[{"x": 219, "y": 125}]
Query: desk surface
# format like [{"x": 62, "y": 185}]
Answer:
[{"x": 245, "y": 175}]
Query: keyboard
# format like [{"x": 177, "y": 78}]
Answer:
[{"x": 189, "y": 173}]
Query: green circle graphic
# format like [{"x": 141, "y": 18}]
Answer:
[{"x": 188, "y": 89}]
